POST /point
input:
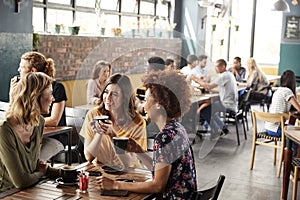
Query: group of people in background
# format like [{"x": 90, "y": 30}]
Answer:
[{"x": 167, "y": 99}]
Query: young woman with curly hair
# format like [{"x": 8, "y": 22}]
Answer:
[{"x": 174, "y": 174}]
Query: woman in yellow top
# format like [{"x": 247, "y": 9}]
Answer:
[{"x": 118, "y": 102}]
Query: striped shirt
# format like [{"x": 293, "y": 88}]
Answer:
[{"x": 280, "y": 104}]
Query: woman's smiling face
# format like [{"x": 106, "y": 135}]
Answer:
[{"x": 112, "y": 98}]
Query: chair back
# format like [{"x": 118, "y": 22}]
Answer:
[
  {"x": 75, "y": 117},
  {"x": 268, "y": 117},
  {"x": 3, "y": 108},
  {"x": 211, "y": 193}
]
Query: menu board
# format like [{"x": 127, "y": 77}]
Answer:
[{"x": 292, "y": 29}]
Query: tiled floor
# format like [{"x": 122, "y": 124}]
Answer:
[{"x": 224, "y": 156}]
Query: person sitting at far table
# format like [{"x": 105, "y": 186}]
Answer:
[
  {"x": 173, "y": 165},
  {"x": 237, "y": 70},
  {"x": 101, "y": 72},
  {"x": 170, "y": 64},
  {"x": 282, "y": 101},
  {"x": 118, "y": 103},
  {"x": 22, "y": 131},
  {"x": 228, "y": 98}
]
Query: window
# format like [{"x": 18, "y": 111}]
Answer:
[
  {"x": 162, "y": 10},
  {"x": 129, "y": 6},
  {"x": 109, "y": 4},
  {"x": 86, "y": 3},
  {"x": 147, "y": 8},
  {"x": 38, "y": 21},
  {"x": 87, "y": 22},
  {"x": 62, "y": 17},
  {"x": 92, "y": 15},
  {"x": 67, "y": 2}
]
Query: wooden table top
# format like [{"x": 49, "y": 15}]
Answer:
[
  {"x": 50, "y": 189},
  {"x": 49, "y": 131},
  {"x": 293, "y": 132}
]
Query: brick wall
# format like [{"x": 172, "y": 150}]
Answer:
[{"x": 74, "y": 56}]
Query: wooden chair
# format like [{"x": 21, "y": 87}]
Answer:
[
  {"x": 261, "y": 138},
  {"x": 211, "y": 193},
  {"x": 296, "y": 164},
  {"x": 75, "y": 118}
]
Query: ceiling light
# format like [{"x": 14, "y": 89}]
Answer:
[{"x": 281, "y": 5}]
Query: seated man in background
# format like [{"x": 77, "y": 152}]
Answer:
[
  {"x": 155, "y": 63},
  {"x": 170, "y": 64},
  {"x": 238, "y": 71},
  {"x": 228, "y": 98}
]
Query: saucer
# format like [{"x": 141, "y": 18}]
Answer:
[{"x": 60, "y": 182}]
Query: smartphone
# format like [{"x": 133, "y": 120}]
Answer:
[
  {"x": 102, "y": 118},
  {"x": 18, "y": 78},
  {"x": 118, "y": 193}
]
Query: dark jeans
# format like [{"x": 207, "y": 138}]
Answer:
[{"x": 211, "y": 115}]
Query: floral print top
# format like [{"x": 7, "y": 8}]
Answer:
[{"x": 171, "y": 146}]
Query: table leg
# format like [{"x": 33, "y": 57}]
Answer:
[
  {"x": 287, "y": 168},
  {"x": 69, "y": 160}
]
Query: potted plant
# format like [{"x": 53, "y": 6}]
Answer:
[{"x": 74, "y": 30}]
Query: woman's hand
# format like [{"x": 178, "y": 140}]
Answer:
[
  {"x": 42, "y": 166},
  {"x": 133, "y": 146},
  {"x": 101, "y": 127},
  {"x": 106, "y": 183}
]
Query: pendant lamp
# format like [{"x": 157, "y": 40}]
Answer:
[{"x": 281, "y": 5}]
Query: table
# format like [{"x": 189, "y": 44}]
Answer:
[
  {"x": 273, "y": 78},
  {"x": 57, "y": 130},
  {"x": 292, "y": 133},
  {"x": 50, "y": 189}
]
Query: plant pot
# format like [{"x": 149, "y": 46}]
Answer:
[
  {"x": 57, "y": 28},
  {"x": 74, "y": 30},
  {"x": 102, "y": 31}
]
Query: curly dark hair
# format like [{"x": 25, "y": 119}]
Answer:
[{"x": 170, "y": 90}]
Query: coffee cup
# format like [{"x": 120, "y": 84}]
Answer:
[
  {"x": 102, "y": 118},
  {"x": 120, "y": 144},
  {"x": 69, "y": 174}
]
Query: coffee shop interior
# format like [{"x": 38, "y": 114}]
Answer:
[{"x": 126, "y": 33}]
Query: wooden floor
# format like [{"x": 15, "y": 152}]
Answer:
[{"x": 224, "y": 156}]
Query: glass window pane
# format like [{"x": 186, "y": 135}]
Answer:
[
  {"x": 113, "y": 21},
  {"x": 38, "y": 1},
  {"x": 87, "y": 23},
  {"x": 86, "y": 3},
  {"x": 267, "y": 34},
  {"x": 68, "y": 2},
  {"x": 62, "y": 17},
  {"x": 38, "y": 19},
  {"x": 147, "y": 8},
  {"x": 129, "y": 6},
  {"x": 128, "y": 23},
  {"x": 109, "y": 4},
  {"x": 162, "y": 10}
]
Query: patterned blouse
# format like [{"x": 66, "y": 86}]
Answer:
[{"x": 172, "y": 146}]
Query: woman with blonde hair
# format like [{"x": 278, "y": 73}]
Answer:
[
  {"x": 37, "y": 62},
  {"x": 256, "y": 80},
  {"x": 22, "y": 131},
  {"x": 101, "y": 72}
]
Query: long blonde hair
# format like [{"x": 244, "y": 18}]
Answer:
[
  {"x": 25, "y": 105},
  {"x": 252, "y": 66}
]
